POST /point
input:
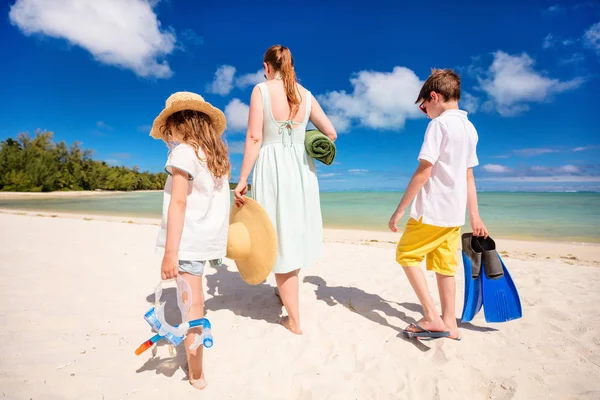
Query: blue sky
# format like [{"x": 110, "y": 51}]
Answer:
[{"x": 99, "y": 72}]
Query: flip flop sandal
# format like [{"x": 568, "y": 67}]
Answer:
[{"x": 424, "y": 333}]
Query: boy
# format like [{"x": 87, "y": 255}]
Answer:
[{"x": 444, "y": 186}]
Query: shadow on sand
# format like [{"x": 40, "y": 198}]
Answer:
[
  {"x": 229, "y": 292},
  {"x": 365, "y": 304}
]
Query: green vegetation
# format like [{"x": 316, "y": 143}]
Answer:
[{"x": 39, "y": 165}]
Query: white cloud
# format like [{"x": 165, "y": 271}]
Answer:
[
  {"x": 540, "y": 151},
  {"x": 583, "y": 148},
  {"x": 511, "y": 83},
  {"x": 496, "y": 168},
  {"x": 122, "y": 33},
  {"x": 470, "y": 103},
  {"x": 380, "y": 100},
  {"x": 236, "y": 147},
  {"x": 540, "y": 173},
  {"x": 568, "y": 169},
  {"x": 565, "y": 169},
  {"x": 104, "y": 125},
  {"x": 236, "y": 113},
  {"x": 341, "y": 123},
  {"x": 548, "y": 41},
  {"x": 592, "y": 37},
  {"x": 190, "y": 36},
  {"x": 328, "y": 175},
  {"x": 534, "y": 152},
  {"x": 574, "y": 59},
  {"x": 554, "y": 9},
  {"x": 223, "y": 80},
  {"x": 358, "y": 171},
  {"x": 551, "y": 178},
  {"x": 250, "y": 79},
  {"x": 551, "y": 41}
]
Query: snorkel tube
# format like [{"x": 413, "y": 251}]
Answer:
[
  {"x": 205, "y": 338},
  {"x": 175, "y": 334}
]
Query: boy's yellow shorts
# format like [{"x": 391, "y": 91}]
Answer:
[{"x": 438, "y": 243}]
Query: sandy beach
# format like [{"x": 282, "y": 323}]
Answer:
[
  {"x": 65, "y": 194},
  {"x": 74, "y": 290}
]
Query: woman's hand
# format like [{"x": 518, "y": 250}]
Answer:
[{"x": 239, "y": 192}]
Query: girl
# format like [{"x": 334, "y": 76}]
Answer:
[
  {"x": 196, "y": 201},
  {"x": 285, "y": 180}
]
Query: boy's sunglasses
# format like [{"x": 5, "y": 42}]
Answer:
[{"x": 422, "y": 106}]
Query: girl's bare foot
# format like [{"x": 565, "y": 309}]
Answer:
[
  {"x": 294, "y": 328},
  {"x": 199, "y": 383}
]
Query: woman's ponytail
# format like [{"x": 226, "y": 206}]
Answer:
[{"x": 280, "y": 57}]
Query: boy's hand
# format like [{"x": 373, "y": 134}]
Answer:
[
  {"x": 478, "y": 227},
  {"x": 168, "y": 269},
  {"x": 394, "y": 220}
]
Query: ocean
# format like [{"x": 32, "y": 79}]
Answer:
[{"x": 566, "y": 217}]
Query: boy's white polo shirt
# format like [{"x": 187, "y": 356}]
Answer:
[
  {"x": 450, "y": 145},
  {"x": 206, "y": 224}
]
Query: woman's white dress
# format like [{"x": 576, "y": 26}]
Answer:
[{"x": 285, "y": 184}]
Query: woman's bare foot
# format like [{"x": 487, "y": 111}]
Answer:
[
  {"x": 294, "y": 328},
  {"x": 199, "y": 383}
]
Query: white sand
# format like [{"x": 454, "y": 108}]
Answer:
[
  {"x": 54, "y": 195},
  {"x": 73, "y": 294}
]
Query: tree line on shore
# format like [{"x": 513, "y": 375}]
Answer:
[{"x": 38, "y": 164}]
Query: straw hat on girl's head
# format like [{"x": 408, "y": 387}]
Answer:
[
  {"x": 252, "y": 241},
  {"x": 188, "y": 101}
]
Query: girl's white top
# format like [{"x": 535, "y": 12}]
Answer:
[{"x": 205, "y": 229}]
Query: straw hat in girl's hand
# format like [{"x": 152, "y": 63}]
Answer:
[
  {"x": 181, "y": 101},
  {"x": 252, "y": 241}
]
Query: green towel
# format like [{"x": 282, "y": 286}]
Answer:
[{"x": 319, "y": 146}]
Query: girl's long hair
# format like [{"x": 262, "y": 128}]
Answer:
[{"x": 195, "y": 129}]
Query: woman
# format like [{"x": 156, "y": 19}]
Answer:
[{"x": 285, "y": 180}]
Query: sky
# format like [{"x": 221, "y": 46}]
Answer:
[{"x": 99, "y": 72}]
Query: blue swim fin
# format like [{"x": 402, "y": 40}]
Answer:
[
  {"x": 471, "y": 255},
  {"x": 501, "y": 300}
]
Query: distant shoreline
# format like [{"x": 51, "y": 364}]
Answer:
[{"x": 60, "y": 194}]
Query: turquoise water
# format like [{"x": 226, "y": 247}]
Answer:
[{"x": 573, "y": 217}]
